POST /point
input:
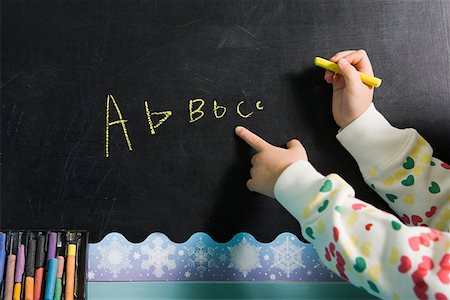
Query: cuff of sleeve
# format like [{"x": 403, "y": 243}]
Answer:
[
  {"x": 373, "y": 141},
  {"x": 296, "y": 186}
]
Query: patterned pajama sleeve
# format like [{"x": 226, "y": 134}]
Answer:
[{"x": 370, "y": 248}]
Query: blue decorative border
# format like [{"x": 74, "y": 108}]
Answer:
[{"x": 200, "y": 258}]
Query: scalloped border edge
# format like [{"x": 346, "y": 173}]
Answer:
[{"x": 193, "y": 236}]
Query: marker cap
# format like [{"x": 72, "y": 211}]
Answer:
[
  {"x": 40, "y": 253},
  {"x": 60, "y": 271},
  {"x": 2, "y": 240},
  {"x": 2, "y": 254},
  {"x": 71, "y": 250},
  {"x": 51, "y": 253},
  {"x": 31, "y": 253},
  {"x": 20, "y": 264}
]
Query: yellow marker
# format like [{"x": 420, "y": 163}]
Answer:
[
  {"x": 70, "y": 271},
  {"x": 333, "y": 67},
  {"x": 17, "y": 290}
]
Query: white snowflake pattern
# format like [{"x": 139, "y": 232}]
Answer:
[
  {"x": 244, "y": 257},
  {"x": 187, "y": 274},
  {"x": 201, "y": 257},
  {"x": 91, "y": 275},
  {"x": 287, "y": 257},
  {"x": 136, "y": 255},
  {"x": 158, "y": 257},
  {"x": 114, "y": 257},
  {"x": 272, "y": 277},
  {"x": 222, "y": 257},
  {"x": 266, "y": 257},
  {"x": 180, "y": 252}
]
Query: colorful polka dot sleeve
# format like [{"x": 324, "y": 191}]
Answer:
[
  {"x": 370, "y": 248},
  {"x": 399, "y": 165}
]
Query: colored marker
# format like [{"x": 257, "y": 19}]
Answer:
[
  {"x": 51, "y": 254},
  {"x": 59, "y": 275},
  {"x": 51, "y": 279},
  {"x": 10, "y": 269},
  {"x": 70, "y": 271},
  {"x": 333, "y": 67},
  {"x": 60, "y": 252},
  {"x": 77, "y": 287},
  {"x": 29, "y": 269},
  {"x": 39, "y": 265},
  {"x": 20, "y": 266},
  {"x": 2, "y": 260},
  {"x": 51, "y": 246},
  {"x": 2, "y": 254}
]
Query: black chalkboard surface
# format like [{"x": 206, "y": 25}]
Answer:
[{"x": 66, "y": 63}]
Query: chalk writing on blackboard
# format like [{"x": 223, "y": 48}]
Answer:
[
  {"x": 196, "y": 112},
  {"x": 166, "y": 115},
  {"x": 121, "y": 121}
]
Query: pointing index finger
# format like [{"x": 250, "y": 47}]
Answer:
[{"x": 251, "y": 139}]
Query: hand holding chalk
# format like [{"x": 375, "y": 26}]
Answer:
[
  {"x": 351, "y": 97},
  {"x": 270, "y": 161},
  {"x": 334, "y": 67}
]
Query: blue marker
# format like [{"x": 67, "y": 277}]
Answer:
[
  {"x": 51, "y": 279},
  {"x": 2, "y": 260},
  {"x": 2, "y": 255}
]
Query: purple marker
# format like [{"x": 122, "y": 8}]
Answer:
[
  {"x": 20, "y": 267},
  {"x": 20, "y": 264},
  {"x": 51, "y": 250}
]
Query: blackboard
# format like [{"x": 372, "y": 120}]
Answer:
[{"x": 62, "y": 61}]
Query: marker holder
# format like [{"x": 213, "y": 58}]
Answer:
[{"x": 78, "y": 237}]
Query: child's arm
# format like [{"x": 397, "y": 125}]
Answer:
[
  {"x": 364, "y": 245},
  {"x": 368, "y": 247},
  {"x": 397, "y": 163}
]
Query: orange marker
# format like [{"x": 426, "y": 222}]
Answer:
[
  {"x": 29, "y": 288},
  {"x": 70, "y": 271},
  {"x": 39, "y": 265},
  {"x": 29, "y": 269}
]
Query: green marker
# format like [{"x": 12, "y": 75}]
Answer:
[{"x": 59, "y": 275}]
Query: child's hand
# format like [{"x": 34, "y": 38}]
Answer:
[
  {"x": 351, "y": 97},
  {"x": 269, "y": 162}
]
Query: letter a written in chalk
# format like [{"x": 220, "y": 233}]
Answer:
[{"x": 120, "y": 121}]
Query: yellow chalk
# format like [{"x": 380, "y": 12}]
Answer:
[{"x": 333, "y": 67}]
